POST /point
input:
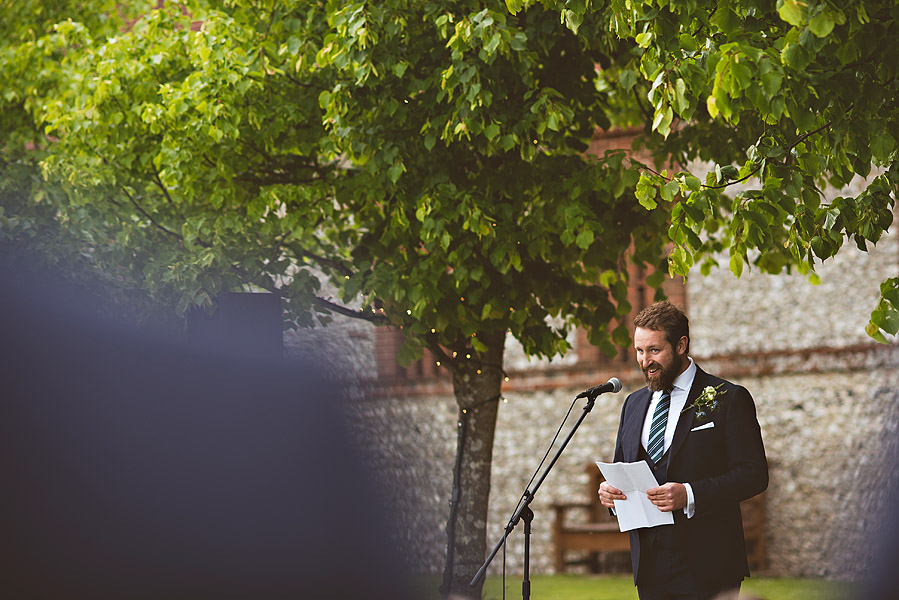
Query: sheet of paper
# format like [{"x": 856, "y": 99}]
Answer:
[{"x": 634, "y": 479}]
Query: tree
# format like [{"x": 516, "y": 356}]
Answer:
[
  {"x": 424, "y": 157},
  {"x": 788, "y": 97},
  {"x": 427, "y": 159}
]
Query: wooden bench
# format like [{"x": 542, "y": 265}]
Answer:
[{"x": 600, "y": 534}]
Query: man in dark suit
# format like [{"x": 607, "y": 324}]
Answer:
[{"x": 700, "y": 436}]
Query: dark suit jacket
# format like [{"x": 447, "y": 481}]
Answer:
[{"x": 725, "y": 464}]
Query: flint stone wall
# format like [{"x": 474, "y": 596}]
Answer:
[{"x": 828, "y": 437}]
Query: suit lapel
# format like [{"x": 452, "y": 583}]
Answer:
[
  {"x": 686, "y": 417},
  {"x": 635, "y": 425}
]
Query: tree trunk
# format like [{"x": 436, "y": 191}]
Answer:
[{"x": 477, "y": 395}]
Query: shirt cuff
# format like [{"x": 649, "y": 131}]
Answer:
[{"x": 690, "y": 508}]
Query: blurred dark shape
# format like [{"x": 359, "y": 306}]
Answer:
[
  {"x": 133, "y": 466},
  {"x": 243, "y": 323},
  {"x": 882, "y": 581}
]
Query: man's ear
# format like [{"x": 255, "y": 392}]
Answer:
[{"x": 682, "y": 344}]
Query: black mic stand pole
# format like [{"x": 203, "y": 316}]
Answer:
[{"x": 525, "y": 513}]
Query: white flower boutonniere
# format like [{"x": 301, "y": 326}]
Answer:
[{"x": 707, "y": 402}]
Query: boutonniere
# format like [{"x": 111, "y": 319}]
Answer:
[{"x": 707, "y": 402}]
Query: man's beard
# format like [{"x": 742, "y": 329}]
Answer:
[{"x": 664, "y": 380}]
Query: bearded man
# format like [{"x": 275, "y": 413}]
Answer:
[{"x": 700, "y": 437}]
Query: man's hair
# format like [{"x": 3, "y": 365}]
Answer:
[{"x": 664, "y": 316}]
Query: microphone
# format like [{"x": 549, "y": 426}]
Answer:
[{"x": 612, "y": 385}]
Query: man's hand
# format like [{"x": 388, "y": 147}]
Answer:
[
  {"x": 608, "y": 494},
  {"x": 668, "y": 497}
]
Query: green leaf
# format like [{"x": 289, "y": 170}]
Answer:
[
  {"x": 693, "y": 183},
  {"x": 796, "y": 56},
  {"x": 873, "y": 330},
  {"x": 711, "y": 105},
  {"x": 400, "y": 68},
  {"x": 889, "y": 289},
  {"x": 395, "y": 171},
  {"x": 662, "y": 121},
  {"x": 736, "y": 265},
  {"x": 886, "y": 319},
  {"x": 491, "y": 131},
  {"x": 514, "y": 6},
  {"x": 681, "y": 104},
  {"x": 627, "y": 79},
  {"x": 821, "y": 24},
  {"x": 670, "y": 190},
  {"x": 792, "y": 11},
  {"x": 646, "y": 193},
  {"x": 644, "y": 39},
  {"x": 584, "y": 239},
  {"x": 324, "y": 99},
  {"x": 882, "y": 146},
  {"x": 771, "y": 82}
]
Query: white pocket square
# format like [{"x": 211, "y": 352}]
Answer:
[{"x": 708, "y": 425}]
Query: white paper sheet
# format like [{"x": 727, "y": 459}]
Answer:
[{"x": 634, "y": 479}]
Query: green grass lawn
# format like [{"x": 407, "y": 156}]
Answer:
[{"x": 621, "y": 587}]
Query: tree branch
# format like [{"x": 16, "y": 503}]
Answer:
[
  {"x": 801, "y": 139},
  {"x": 349, "y": 312},
  {"x": 165, "y": 192},
  {"x": 328, "y": 262},
  {"x": 437, "y": 350},
  {"x": 151, "y": 219},
  {"x": 643, "y": 109},
  {"x": 805, "y": 136}
]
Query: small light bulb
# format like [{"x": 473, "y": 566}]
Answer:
[
  {"x": 409, "y": 312},
  {"x": 438, "y": 363}
]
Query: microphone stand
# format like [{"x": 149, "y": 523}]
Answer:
[{"x": 524, "y": 512}]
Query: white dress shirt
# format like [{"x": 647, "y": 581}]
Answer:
[{"x": 679, "y": 392}]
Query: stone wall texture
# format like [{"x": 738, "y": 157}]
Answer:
[{"x": 827, "y": 399}]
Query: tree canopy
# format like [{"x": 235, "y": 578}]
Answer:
[{"x": 787, "y": 98}]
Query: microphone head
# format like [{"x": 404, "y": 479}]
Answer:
[{"x": 616, "y": 385}]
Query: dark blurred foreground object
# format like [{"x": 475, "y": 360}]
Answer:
[
  {"x": 248, "y": 324},
  {"x": 133, "y": 467},
  {"x": 882, "y": 581}
]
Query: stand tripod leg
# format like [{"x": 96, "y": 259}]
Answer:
[{"x": 527, "y": 515}]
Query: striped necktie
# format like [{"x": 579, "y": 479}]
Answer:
[{"x": 656, "y": 446}]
